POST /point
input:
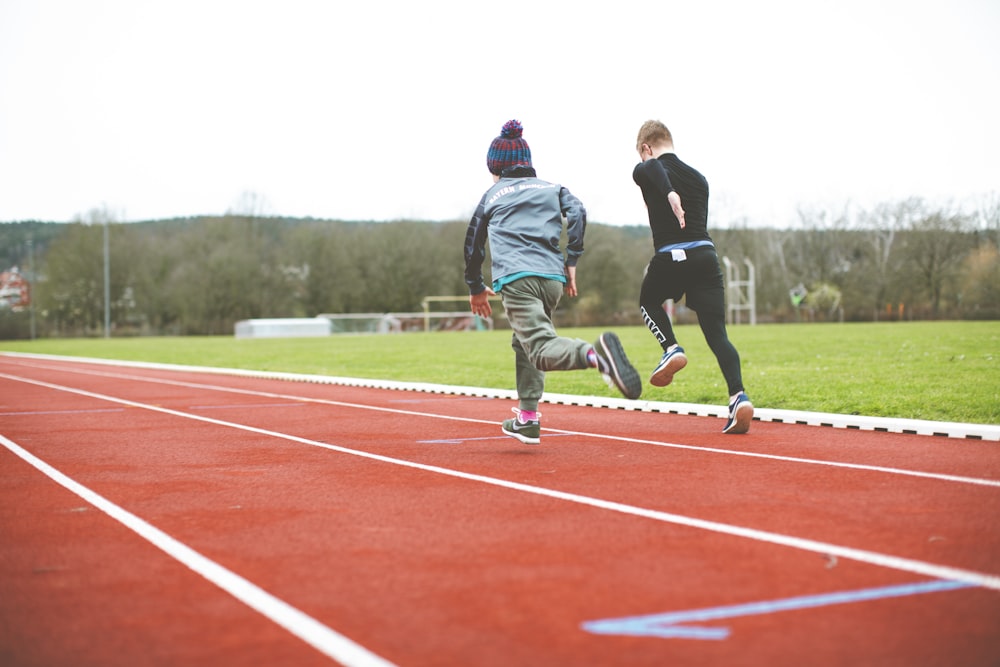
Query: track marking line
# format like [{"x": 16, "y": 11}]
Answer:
[
  {"x": 794, "y": 459},
  {"x": 244, "y": 406},
  {"x": 59, "y": 412},
  {"x": 305, "y": 627},
  {"x": 668, "y": 625},
  {"x": 931, "y": 570},
  {"x": 459, "y": 441},
  {"x": 550, "y": 431}
]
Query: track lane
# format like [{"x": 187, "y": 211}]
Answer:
[
  {"x": 893, "y": 511},
  {"x": 282, "y": 476}
]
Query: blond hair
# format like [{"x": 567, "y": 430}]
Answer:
[{"x": 653, "y": 133}]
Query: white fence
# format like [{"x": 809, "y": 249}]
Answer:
[
  {"x": 285, "y": 327},
  {"x": 382, "y": 323}
]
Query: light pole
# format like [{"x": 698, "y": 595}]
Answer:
[
  {"x": 32, "y": 284},
  {"x": 107, "y": 283}
]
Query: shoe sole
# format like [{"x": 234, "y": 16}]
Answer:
[
  {"x": 744, "y": 415},
  {"x": 664, "y": 375},
  {"x": 625, "y": 377},
  {"x": 519, "y": 436}
]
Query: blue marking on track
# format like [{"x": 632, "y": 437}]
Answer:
[{"x": 668, "y": 625}]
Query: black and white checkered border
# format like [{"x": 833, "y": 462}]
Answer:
[{"x": 857, "y": 422}]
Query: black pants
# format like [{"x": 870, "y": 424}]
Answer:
[{"x": 699, "y": 277}]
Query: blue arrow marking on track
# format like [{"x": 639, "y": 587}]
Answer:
[{"x": 668, "y": 625}]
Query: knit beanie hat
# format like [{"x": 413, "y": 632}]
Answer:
[{"x": 508, "y": 149}]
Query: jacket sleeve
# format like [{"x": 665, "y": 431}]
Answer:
[
  {"x": 475, "y": 249},
  {"x": 576, "y": 225},
  {"x": 652, "y": 175}
]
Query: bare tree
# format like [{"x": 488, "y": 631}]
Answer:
[
  {"x": 987, "y": 217},
  {"x": 881, "y": 227},
  {"x": 251, "y": 204},
  {"x": 936, "y": 246}
]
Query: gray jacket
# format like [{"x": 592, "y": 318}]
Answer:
[{"x": 523, "y": 217}]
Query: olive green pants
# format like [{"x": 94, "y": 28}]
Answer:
[{"x": 528, "y": 303}]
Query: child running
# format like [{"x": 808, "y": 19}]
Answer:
[
  {"x": 522, "y": 217},
  {"x": 685, "y": 263}
]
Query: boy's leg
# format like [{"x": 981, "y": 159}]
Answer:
[
  {"x": 529, "y": 303},
  {"x": 657, "y": 287},
  {"x": 708, "y": 298},
  {"x": 530, "y": 381},
  {"x": 652, "y": 294},
  {"x": 713, "y": 325}
]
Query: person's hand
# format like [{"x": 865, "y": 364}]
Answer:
[
  {"x": 570, "y": 287},
  {"x": 480, "y": 303},
  {"x": 675, "y": 204}
]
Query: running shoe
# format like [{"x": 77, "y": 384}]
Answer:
[
  {"x": 525, "y": 431},
  {"x": 740, "y": 414},
  {"x": 615, "y": 366},
  {"x": 672, "y": 361}
]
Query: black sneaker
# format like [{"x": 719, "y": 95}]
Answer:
[
  {"x": 740, "y": 415},
  {"x": 671, "y": 362},
  {"x": 527, "y": 432},
  {"x": 615, "y": 366}
]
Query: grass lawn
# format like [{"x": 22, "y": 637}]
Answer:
[{"x": 946, "y": 371}]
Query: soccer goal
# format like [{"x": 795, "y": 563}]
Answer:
[
  {"x": 427, "y": 320},
  {"x": 478, "y": 323},
  {"x": 741, "y": 295}
]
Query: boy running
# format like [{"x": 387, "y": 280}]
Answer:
[
  {"x": 685, "y": 263},
  {"x": 522, "y": 217}
]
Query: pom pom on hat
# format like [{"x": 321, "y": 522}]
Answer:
[
  {"x": 512, "y": 129},
  {"x": 509, "y": 149}
]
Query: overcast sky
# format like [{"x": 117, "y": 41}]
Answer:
[{"x": 377, "y": 110}]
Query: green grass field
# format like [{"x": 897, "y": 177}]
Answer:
[{"x": 946, "y": 371}]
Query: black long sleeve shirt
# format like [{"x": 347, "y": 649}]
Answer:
[{"x": 656, "y": 178}]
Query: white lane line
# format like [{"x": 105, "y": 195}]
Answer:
[
  {"x": 792, "y": 459},
  {"x": 326, "y": 641},
  {"x": 656, "y": 443},
  {"x": 824, "y": 548},
  {"x": 295, "y": 404},
  {"x": 58, "y": 412}
]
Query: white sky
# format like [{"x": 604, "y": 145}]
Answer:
[{"x": 381, "y": 110}]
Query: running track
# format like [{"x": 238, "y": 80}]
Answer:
[{"x": 162, "y": 516}]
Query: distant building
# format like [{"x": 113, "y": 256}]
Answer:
[{"x": 15, "y": 293}]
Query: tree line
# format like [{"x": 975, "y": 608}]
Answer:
[{"x": 901, "y": 260}]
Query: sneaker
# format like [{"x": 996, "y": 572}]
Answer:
[
  {"x": 740, "y": 415},
  {"x": 615, "y": 366},
  {"x": 671, "y": 362},
  {"x": 526, "y": 432}
]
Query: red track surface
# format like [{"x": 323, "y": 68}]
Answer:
[{"x": 368, "y": 525}]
